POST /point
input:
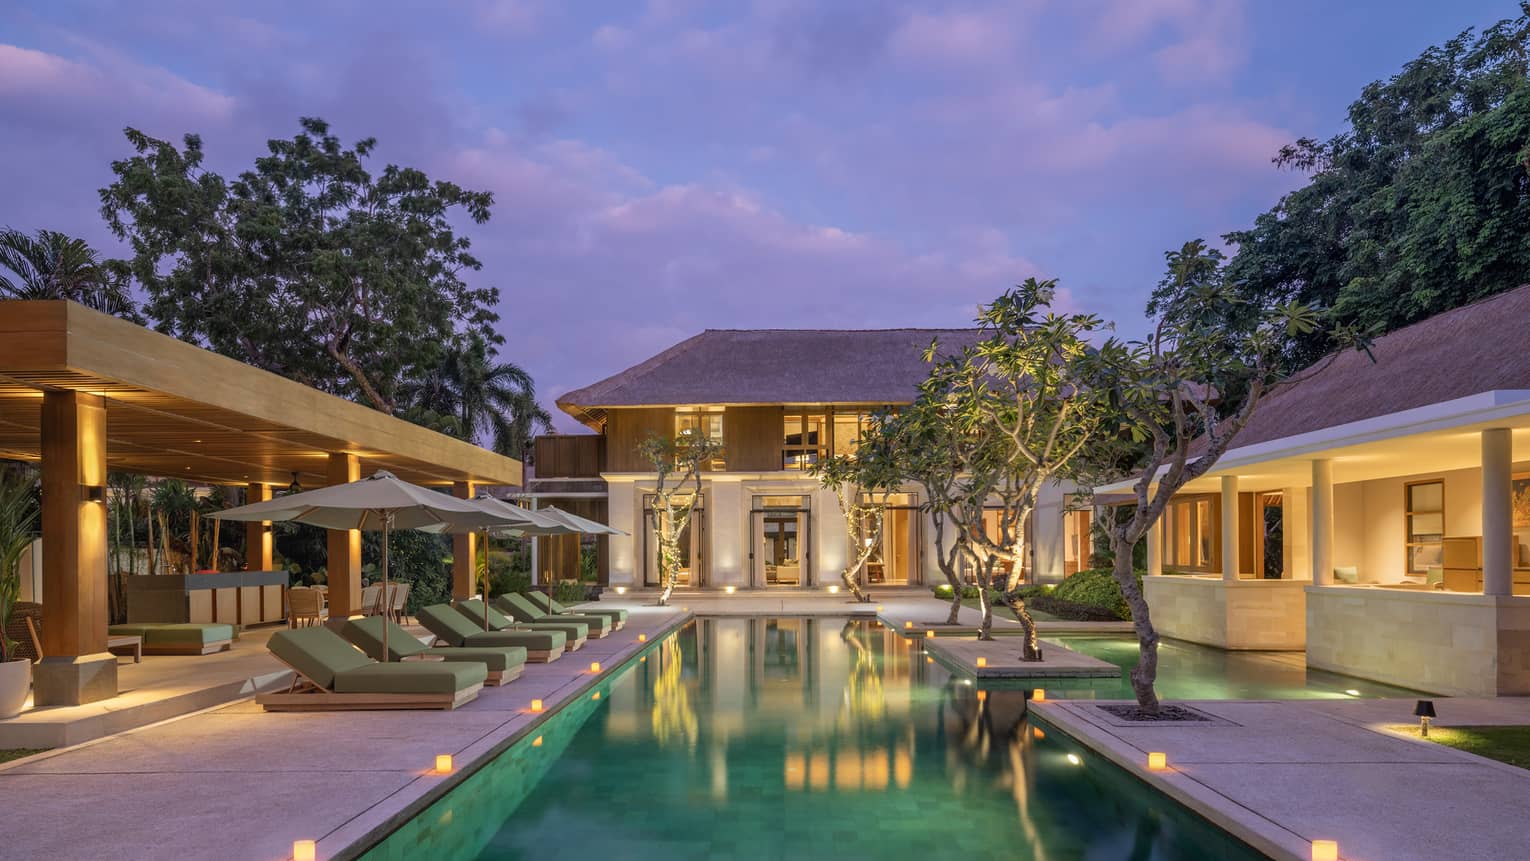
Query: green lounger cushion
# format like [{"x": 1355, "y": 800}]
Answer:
[
  {"x": 546, "y": 602},
  {"x": 411, "y": 678},
  {"x": 174, "y": 634},
  {"x": 473, "y": 609},
  {"x": 455, "y": 629},
  {"x": 367, "y": 633},
  {"x": 330, "y": 662},
  {"x": 524, "y": 611}
]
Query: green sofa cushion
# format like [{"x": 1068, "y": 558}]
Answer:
[
  {"x": 318, "y": 653},
  {"x": 496, "y": 658},
  {"x": 175, "y": 634},
  {"x": 541, "y": 641},
  {"x": 367, "y": 633},
  {"x": 526, "y": 612},
  {"x": 446, "y": 622},
  {"x": 474, "y": 610},
  {"x": 410, "y": 678}
]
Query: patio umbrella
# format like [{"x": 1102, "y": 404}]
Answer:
[
  {"x": 380, "y": 501},
  {"x": 518, "y": 521},
  {"x": 577, "y": 523}
]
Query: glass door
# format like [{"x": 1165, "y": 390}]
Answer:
[
  {"x": 895, "y": 559},
  {"x": 779, "y": 548},
  {"x": 692, "y": 548}
]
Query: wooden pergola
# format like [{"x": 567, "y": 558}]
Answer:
[{"x": 83, "y": 393}]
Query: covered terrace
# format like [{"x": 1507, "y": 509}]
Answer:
[{"x": 83, "y": 393}]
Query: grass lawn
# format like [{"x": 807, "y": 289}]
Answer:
[
  {"x": 1001, "y": 611},
  {"x": 18, "y": 753},
  {"x": 1510, "y": 744}
]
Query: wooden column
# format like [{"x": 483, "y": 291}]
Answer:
[
  {"x": 343, "y": 568},
  {"x": 257, "y": 536},
  {"x": 464, "y": 550},
  {"x": 77, "y": 668}
]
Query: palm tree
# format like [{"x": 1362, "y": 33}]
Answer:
[
  {"x": 53, "y": 265},
  {"x": 471, "y": 395}
]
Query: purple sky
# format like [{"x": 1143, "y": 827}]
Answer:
[{"x": 668, "y": 166}]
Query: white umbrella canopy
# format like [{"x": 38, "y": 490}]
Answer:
[
  {"x": 577, "y": 523},
  {"x": 380, "y": 501},
  {"x": 520, "y": 521}
]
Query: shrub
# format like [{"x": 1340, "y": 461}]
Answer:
[
  {"x": 569, "y": 592},
  {"x": 1071, "y": 610},
  {"x": 1095, "y": 587}
]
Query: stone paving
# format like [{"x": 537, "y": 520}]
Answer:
[
  {"x": 237, "y": 782},
  {"x": 1001, "y": 659},
  {"x": 1279, "y": 775}
]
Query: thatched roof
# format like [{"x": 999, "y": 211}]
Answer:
[
  {"x": 774, "y": 366},
  {"x": 1481, "y": 347}
]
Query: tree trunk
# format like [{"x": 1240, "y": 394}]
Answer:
[
  {"x": 1032, "y": 649},
  {"x": 1146, "y": 672},
  {"x": 985, "y": 601}
]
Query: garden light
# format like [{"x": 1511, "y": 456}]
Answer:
[
  {"x": 304, "y": 850},
  {"x": 443, "y": 763},
  {"x": 536, "y": 705},
  {"x": 1158, "y": 761},
  {"x": 1325, "y": 850}
]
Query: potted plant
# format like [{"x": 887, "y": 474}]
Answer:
[{"x": 18, "y": 526}]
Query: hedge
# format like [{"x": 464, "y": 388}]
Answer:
[{"x": 1095, "y": 587}]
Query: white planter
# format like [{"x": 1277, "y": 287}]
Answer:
[{"x": 15, "y": 680}]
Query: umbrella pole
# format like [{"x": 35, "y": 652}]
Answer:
[
  {"x": 387, "y": 519},
  {"x": 485, "y": 578}
]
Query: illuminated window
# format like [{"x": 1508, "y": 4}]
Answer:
[
  {"x": 694, "y": 423},
  {"x": 1424, "y": 504},
  {"x": 1191, "y": 539},
  {"x": 848, "y": 427},
  {"x": 802, "y": 440}
]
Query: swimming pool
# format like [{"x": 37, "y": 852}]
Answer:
[{"x": 799, "y": 738}]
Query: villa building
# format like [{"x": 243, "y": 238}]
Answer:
[
  {"x": 778, "y": 400},
  {"x": 1375, "y": 514}
]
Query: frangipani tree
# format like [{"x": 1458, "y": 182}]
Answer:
[
  {"x": 1182, "y": 396},
  {"x": 861, "y": 482},
  {"x": 1028, "y": 401},
  {"x": 678, "y": 462}
]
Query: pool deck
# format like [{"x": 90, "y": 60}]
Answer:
[
  {"x": 1279, "y": 775},
  {"x": 237, "y": 782}
]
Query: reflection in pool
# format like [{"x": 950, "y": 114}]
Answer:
[{"x": 800, "y": 738}]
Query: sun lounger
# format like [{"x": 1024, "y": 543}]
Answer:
[
  {"x": 333, "y": 675},
  {"x": 170, "y": 638},
  {"x": 504, "y": 663},
  {"x": 544, "y": 601},
  {"x": 574, "y": 629},
  {"x": 456, "y": 630},
  {"x": 518, "y": 607}
]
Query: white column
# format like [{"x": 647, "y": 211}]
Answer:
[
  {"x": 1154, "y": 539},
  {"x": 1497, "y": 522},
  {"x": 1322, "y": 522},
  {"x": 1229, "y": 527},
  {"x": 624, "y": 511},
  {"x": 726, "y": 512},
  {"x": 536, "y": 576},
  {"x": 1296, "y": 523}
]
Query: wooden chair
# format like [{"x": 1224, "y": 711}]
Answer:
[
  {"x": 400, "y": 597},
  {"x": 372, "y": 600},
  {"x": 305, "y": 607}
]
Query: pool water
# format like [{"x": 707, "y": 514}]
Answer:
[{"x": 800, "y": 739}]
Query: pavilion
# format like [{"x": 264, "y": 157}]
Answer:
[{"x": 83, "y": 393}]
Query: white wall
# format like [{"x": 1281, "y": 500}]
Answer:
[
  {"x": 624, "y": 512},
  {"x": 1047, "y": 531},
  {"x": 727, "y": 513},
  {"x": 830, "y": 539}
]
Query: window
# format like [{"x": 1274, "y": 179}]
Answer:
[
  {"x": 1190, "y": 528},
  {"x": 802, "y": 440},
  {"x": 694, "y": 423},
  {"x": 1424, "y": 511},
  {"x": 848, "y": 426}
]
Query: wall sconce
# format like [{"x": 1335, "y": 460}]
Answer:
[
  {"x": 443, "y": 763},
  {"x": 93, "y": 493}
]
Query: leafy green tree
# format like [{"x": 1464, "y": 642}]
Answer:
[
  {"x": 677, "y": 464},
  {"x": 1027, "y": 400},
  {"x": 307, "y": 264},
  {"x": 1422, "y": 205},
  {"x": 470, "y": 395},
  {"x": 1181, "y": 396},
  {"x": 52, "y": 265}
]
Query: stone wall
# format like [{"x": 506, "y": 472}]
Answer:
[
  {"x": 1445, "y": 643},
  {"x": 1239, "y": 614}
]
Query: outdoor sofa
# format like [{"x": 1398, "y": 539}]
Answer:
[{"x": 178, "y": 638}]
